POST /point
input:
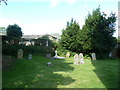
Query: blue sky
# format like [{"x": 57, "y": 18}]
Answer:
[{"x": 50, "y": 16}]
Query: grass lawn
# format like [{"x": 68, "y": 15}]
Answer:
[{"x": 63, "y": 74}]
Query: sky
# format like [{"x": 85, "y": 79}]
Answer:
[{"x": 50, "y": 16}]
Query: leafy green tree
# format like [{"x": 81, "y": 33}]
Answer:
[
  {"x": 69, "y": 36},
  {"x": 14, "y": 34},
  {"x": 84, "y": 41},
  {"x": 95, "y": 36},
  {"x": 101, "y": 29},
  {"x": 3, "y": 1},
  {"x": 118, "y": 40}
]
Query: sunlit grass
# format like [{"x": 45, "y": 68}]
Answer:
[{"x": 63, "y": 74}]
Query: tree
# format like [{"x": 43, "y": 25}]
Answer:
[
  {"x": 69, "y": 36},
  {"x": 101, "y": 29},
  {"x": 14, "y": 34},
  {"x": 3, "y": 1},
  {"x": 84, "y": 41}
]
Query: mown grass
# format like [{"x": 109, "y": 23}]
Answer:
[{"x": 63, "y": 74}]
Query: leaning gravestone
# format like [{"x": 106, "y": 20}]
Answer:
[
  {"x": 81, "y": 58},
  {"x": 67, "y": 54},
  {"x": 20, "y": 54},
  {"x": 76, "y": 59},
  {"x": 93, "y": 56}
]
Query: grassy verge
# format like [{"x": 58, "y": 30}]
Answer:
[{"x": 63, "y": 74}]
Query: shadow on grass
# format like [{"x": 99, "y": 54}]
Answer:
[
  {"x": 36, "y": 74},
  {"x": 107, "y": 71}
]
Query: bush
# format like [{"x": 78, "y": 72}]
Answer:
[
  {"x": 9, "y": 49},
  {"x": 13, "y": 49},
  {"x": 118, "y": 51},
  {"x": 87, "y": 57},
  {"x": 7, "y": 61},
  {"x": 62, "y": 52}
]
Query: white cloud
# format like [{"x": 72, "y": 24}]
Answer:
[
  {"x": 28, "y": 0},
  {"x": 5, "y": 22},
  {"x": 71, "y": 1},
  {"x": 54, "y": 3},
  {"x": 68, "y": 1},
  {"x": 99, "y": 0},
  {"x": 35, "y": 28},
  {"x": 44, "y": 27}
]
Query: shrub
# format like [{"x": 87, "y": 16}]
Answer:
[
  {"x": 118, "y": 51},
  {"x": 62, "y": 52},
  {"x": 87, "y": 57},
  {"x": 13, "y": 49}
]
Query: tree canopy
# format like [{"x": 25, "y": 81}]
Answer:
[
  {"x": 101, "y": 30},
  {"x": 14, "y": 33},
  {"x": 69, "y": 36},
  {"x": 96, "y": 35},
  {"x": 3, "y": 1}
]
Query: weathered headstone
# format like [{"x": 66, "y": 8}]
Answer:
[
  {"x": 48, "y": 55},
  {"x": 56, "y": 54},
  {"x": 93, "y": 56},
  {"x": 76, "y": 59},
  {"x": 58, "y": 57},
  {"x": 20, "y": 54},
  {"x": 110, "y": 55},
  {"x": 29, "y": 56},
  {"x": 67, "y": 54},
  {"x": 81, "y": 58},
  {"x": 49, "y": 64}
]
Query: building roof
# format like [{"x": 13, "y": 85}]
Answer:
[
  {"x": 31, "y": 36},
  {"x": 28, "y": 37}
]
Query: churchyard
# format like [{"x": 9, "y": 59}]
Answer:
[
  {"x": 63, "y": 73},
  {"x": 84, "y": 57}
]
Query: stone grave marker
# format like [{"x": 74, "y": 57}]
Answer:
[
  {"x": 48, "y": 55},
  {"x": 76, "y": 59},
  {"x": 20, "y": 54},
  {"x": 49, "y": 64},
  {"x": 58, "y": 57},
  {"x": 29, "y": 56},
  {"x": 67, "y": 54},
  {"x": 110, "y": 55},
  {"x": 81, "y": 58},
  {"x": 93, "y": 56}
]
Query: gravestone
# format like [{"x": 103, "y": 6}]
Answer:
[
  {"x": 29, "y": 56},
  {"x": 67, "y": 54},
  {"x": 56, "y": 54},
  {"x": 81, "y": 58},
  {"x": 48, "y": 55},
  {"x": 93, "y": 56},
  {"x": 58, "y": 57},
  {"x": 49, "y": 64},
  {"x": 20, "y": 54},
  {"x": 76, "y": 59},
  {"x": 110, "y": 55}
]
